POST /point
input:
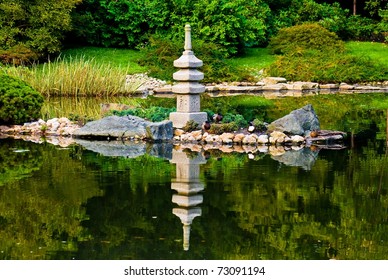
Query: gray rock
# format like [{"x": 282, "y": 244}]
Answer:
[
  {"x": 114, "y": 127},
  {"x": 298, "y": 122}
]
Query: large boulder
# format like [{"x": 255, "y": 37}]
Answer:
[
  {"x": 127, "y": 127},
  {"x": 299, "y": 122}
]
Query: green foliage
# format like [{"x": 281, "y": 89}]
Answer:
[
  {"x": 311, "y": 65},
  {"x": 259, "y": 124},
  {"x": 190, "y": 126},
  {"x": 160, "y": 53},
  {"x": 35, "y": 27},
  {"x": 363, "y": 29},
  {"x": 75, "y": 77},
  {"x": 297, "y": 12},
  {"x": 19, "y": 102},
  {"x": 238, "y": 119},
  {"x": 230, "y": 24},
  {"x": 219, "y": 128},
  {"x": 311, "y": 53},
  {"x": 305, "y": 36},
  {"x": 18, "y": 55},
  {"x": 154, "y": 114}
]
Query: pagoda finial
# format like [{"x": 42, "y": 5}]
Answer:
[{"x": 187, "y": 37}]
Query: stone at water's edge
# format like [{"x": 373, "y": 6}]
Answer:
[
  {"x": 299, "y": 122},
  {"x": 126, "y": 127}
]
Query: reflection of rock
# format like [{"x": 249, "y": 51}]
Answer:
[
  {"x": 304, "y": 158},
  {"x": 128, "y": 149},
  {"x": 299, "y": 122},
  {"x": 127, "y": 127}
]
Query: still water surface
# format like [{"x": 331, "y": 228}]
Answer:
[{"x": 164, "y": 202}]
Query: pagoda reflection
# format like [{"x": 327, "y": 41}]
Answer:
[{"x": 188, "y": 186}]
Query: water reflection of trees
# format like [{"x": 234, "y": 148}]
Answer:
[
  {"x": 42, "y": 216},
  {"x": 86, "y": 206},
  {"x": 300, "y": 215}
]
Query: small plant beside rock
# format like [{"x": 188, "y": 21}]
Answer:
[{"x": 19, "y": 102}]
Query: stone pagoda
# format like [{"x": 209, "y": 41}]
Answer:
[{"x": 188, "y": 89}]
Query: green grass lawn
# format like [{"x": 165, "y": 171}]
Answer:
[
  {"x": 123, "y": 58},
  {"x": 376, "y": 51},
  {"x": 254, "y": 58}
]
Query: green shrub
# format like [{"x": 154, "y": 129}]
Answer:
[
  {"x": 18, "y": 55},
  {"x": 190, "y": 126},
  {"x": 219, "y": 128},
  {"x": 160, "y": 53},
  {"x": 305, "y": 36},
  {"x": 311, "y": 53},
  {"x": 363, "y": 29},
  {"x": 238, "y": 119},
  {"x": 154, "y": 114},
  {"x": 19, "y": 102},
  {"x": 327, "y": 67}
]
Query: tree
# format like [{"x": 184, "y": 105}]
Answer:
[
  {"x": 37, "y": 26},
  {"x": 231, "y": 24}
]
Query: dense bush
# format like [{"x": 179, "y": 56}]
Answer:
[
  {"x": 312, "y": 53},
  {"x": 305, "y": 36},
  {"x": 287, "y": 13},
  {"x": 363, "y": 29},
  {"x": 154, "y": 114},
  {"x": 230, "y": 24},
  {"x": 19, "y": 102},
  {"x": 327, "y": 67}
]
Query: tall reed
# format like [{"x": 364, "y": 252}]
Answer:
[{"x": 76, "y": 77}]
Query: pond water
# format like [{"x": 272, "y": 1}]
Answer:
[{"x": 141, "y": 201}]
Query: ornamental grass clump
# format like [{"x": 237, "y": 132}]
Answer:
[
  {"x": 76, "y": 77},
  {"x": 19, "y": 102}
]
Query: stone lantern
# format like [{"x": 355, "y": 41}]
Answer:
[{"x": 188, "y": 89}]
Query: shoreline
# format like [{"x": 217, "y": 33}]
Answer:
[{"x": 270, "y": 87}]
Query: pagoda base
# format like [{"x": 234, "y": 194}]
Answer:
[{"x": 179, "y": 119}]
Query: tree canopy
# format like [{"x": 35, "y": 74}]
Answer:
[{"x": 32, "y": 29}]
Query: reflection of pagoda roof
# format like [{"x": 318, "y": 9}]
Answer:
[
  {"x": 187, "y": 215},
  {"x": 187, "y": 201},
  {"x": 188, "y": 187}
]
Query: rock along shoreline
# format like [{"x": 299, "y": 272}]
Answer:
[{"x": 63, "y": 132}]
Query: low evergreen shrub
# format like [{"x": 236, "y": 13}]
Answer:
[
  {"x": 305, "y": 36},
  {"x": 311, "y": 53},
  {"x": 19, "y": 102},
  {"x": 154, "y": 114}
]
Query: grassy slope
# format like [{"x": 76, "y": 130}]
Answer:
[
  {"x": 377, "y": 51},
  {"x": 255, "y": 58},
  {"x": 115, "y": 57}
]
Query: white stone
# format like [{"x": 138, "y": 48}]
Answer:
[
  {"x": 263, "y": 139},
  {"x": 188, "y": 103}
]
